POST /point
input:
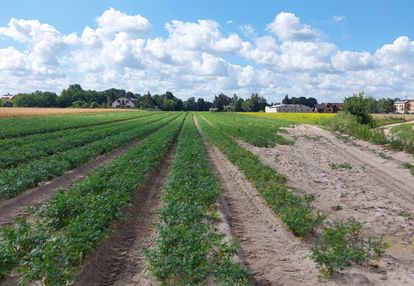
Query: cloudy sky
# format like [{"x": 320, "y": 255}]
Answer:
[{"x": 325, "y": 49}]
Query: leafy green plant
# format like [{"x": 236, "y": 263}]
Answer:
[
  {"x": 17, "y": 180},
  {"x": 410, "y": 167},
  {"x": 188, "y": 249},
  {"x": 69, "y": 226},
  {"x": 295, "y": 211},
  {"x": 336, "y": 166},
  {"x": 341, "y": 245}
]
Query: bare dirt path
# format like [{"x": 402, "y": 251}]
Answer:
[
  {"x": 377, "y": 191},
  {"x": 272, "y": 253},
  {"x": 19, "y": 206},
  {"x": 119, "y": 259}
]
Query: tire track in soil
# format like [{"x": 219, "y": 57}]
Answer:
[
  {"x": 375, "y": 191},
  {"x": 119, "y": 259},
  {"x": 271, "y": 252},
  {"x": 19, "y": 206}
]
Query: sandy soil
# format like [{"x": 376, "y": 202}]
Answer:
[
  {"x": 271, "y": 252},
  {"x": 19, "y": 206},
  {"x": 377, "y": 191},
  {"x": 119, "y": 259}
]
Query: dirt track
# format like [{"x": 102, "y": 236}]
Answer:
[
  {"x": 19, "y": 206},
  {"x": 119, "y": 259},
  {"x": 377, "y": 191}
]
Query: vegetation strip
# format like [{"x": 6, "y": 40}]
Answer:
[
  {"x": 17, "y": 142},
  {"x": 17, "y": 180},
  {"x": 257, "y": 131},
  {"x": 17, "y": 127},
  {"x": 337, "y": 247},
  {"x": 188, "y": 249},
  {"x": 294, "y": 211},
  {"x": 72, "y": 223},
  {"x": 43, "y": 148}
]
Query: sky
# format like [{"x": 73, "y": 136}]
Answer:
[{"x": 325, "y": 49}]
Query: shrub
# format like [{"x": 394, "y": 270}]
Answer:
[
  {"x": 340, "y": 245},
  {"x": 359, "y": 106}
]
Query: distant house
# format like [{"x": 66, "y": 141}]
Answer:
[
  {"x": 404, "y": 106},
  {"x": 213, "y": 109},
  {"x": 7, "y": 96},
  {"x": 125, "y": 102},
  {"x": 288, "y": 108},
  {"x": 328, "y": 107},
  {"x": 228, "y": 108}
]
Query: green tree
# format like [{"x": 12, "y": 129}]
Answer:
[
  {"x": 146, "y": 101},
  {"x": 220, "y": 101},
  {"x": 359, "y": 105}
]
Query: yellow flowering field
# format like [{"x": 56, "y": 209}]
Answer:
[{"x": 297, "y": 117}]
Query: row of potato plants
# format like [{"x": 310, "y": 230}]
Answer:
[
  {"x": 17, "y": 180},
  {"x": 338, "y": 245},
  {"x": 22, "y": 126},
  {"x": 17, "y": 142},
  {"x": 71, "y": 224},
  {"x": 75, "y": 138},
  {"x": 257, "y": 131},
  {"x": 188, "y": 250},
  {"x": 295, "y": 211}
]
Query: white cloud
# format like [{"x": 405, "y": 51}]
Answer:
[
  {"x": 112, "y": 22},
  {"x": 199, "y": 59},
  {"x": 248, "y": 30},
  {"x": 287, "y": 27},
  {"x": 339, "y": 19}
]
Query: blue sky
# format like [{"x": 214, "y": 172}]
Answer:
[{"x": 343, "y": 29}]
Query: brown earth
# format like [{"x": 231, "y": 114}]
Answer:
[
  {"x": 19, "y": 206},
  {"x": 377, "y": 190},
  {"x": 271, "y": 252},
  {"x": 119, "y": 259}
]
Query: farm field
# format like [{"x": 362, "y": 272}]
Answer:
[
  {"x": 30, "y": 112},
  {"x": 197, "y": 198},
  {"x": 297, "y": 117}
]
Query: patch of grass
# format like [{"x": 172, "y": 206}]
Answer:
[
  {"x": 341, "y": 245},
  {"x": 410, "y": 167},
  {"x": 384, "y": 156},
  {"x": 336, "y": 166}
]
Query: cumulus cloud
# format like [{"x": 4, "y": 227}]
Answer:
[
  {"x": 287, "y": 27},
  {"x": 199, "y": 59}
]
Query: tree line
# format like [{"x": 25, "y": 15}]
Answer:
[{"x": 76, "y": 96}]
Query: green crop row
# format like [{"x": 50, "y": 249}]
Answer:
[
  {"x": 15, "y": 181},
  {"x": 70, "y": 226},
  {"x": 76, "y": 138},
  {"x": 17, "y": 142},
  {"x": 188, "y": 249},
  {"x": 257, "y": 131},
  {"x": 337, "y": 247},
  {"x": 22, "y": 126},
  {"x": 295, "y": 211}
]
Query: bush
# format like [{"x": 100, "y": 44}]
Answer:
[
  {"x": 340, "y": 245},
  {"x": 359, "y": 106}
]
